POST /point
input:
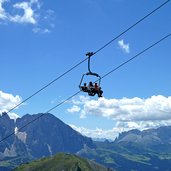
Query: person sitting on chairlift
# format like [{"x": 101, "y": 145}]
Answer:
[
  {"x": 98, "y": 90},
  {"x": 91, "y": 91},
  {"x": 84, "y": 87}
]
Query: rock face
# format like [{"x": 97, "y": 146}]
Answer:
[
  {"x": 49, "y": 135},
  {"x": 6, "y": 127},
  {"x": 44, "y": 137},
  {"x": 156, "y": 139}
]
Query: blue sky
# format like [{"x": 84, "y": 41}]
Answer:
[{"x": 42, "y": 39}]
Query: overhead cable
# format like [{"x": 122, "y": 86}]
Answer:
[
  {"x": 129, "y": 28},
  {"x": 110, "y": 72},
  {"x": 69, "y": 70}
]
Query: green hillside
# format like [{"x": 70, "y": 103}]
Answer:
[
  {"x": 129, "y": 157},
  {"x": 62, "y": 162}
]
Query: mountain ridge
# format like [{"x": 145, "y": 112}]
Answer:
[
  {"x": 62, "y": 161},
  {"x": 132, "y": 150},
  {"x": 46, "y": 136},
  {"x": 135, "y": 150}
]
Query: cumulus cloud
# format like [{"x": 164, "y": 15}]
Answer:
[
  {"x": 7, "y": 102},
  {"x": 3, "y": 14},
  {"x": 125, "y": 47},
  {"x": 74, "y": 109},
  {"x": 97, "y": 133},
  {"x": 28, "y": 16},
  {"x": 28, "y": 12},
  {"x": 129, "y": 109},
  {"x": 129, "y": 113}
]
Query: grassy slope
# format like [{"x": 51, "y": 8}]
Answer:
[
  {"x": 66, "y": 162},
  {"x": 126, "y": 159}
]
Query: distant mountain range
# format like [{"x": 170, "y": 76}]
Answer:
[{"x": 148, "y": 150}]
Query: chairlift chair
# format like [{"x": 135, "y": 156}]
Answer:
[{"x": 87, "y": 89}]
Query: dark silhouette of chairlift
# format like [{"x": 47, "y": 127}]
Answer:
[{"x": 85, "y": 88}]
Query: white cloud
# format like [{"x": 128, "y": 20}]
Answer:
[
  {"x": 29, "y": 15},
  {"x": 74, "y": 109},
  {"x": 7, "y": 102},
  {"x": 81, "y": 101},
  {"x": 134, "y": 109},
  {"x": 123, "y": 46},
  {"x": 98, "y": 133},
  {"x": 28, "y": 12},
  {"x": 40, "y": 30},
  {"x": 3, "y": 14},
  {"x": 129, "y": 113}
]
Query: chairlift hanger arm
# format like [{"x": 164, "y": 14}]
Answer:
[{"x": 89, "y": 54}]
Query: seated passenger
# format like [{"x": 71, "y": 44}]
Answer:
[
  {"x": 98, "y": 90},
  {"x": 91, "y": 91},
  {"x": 96, "y": 87},
  {"x": 84, "y": 88}
]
